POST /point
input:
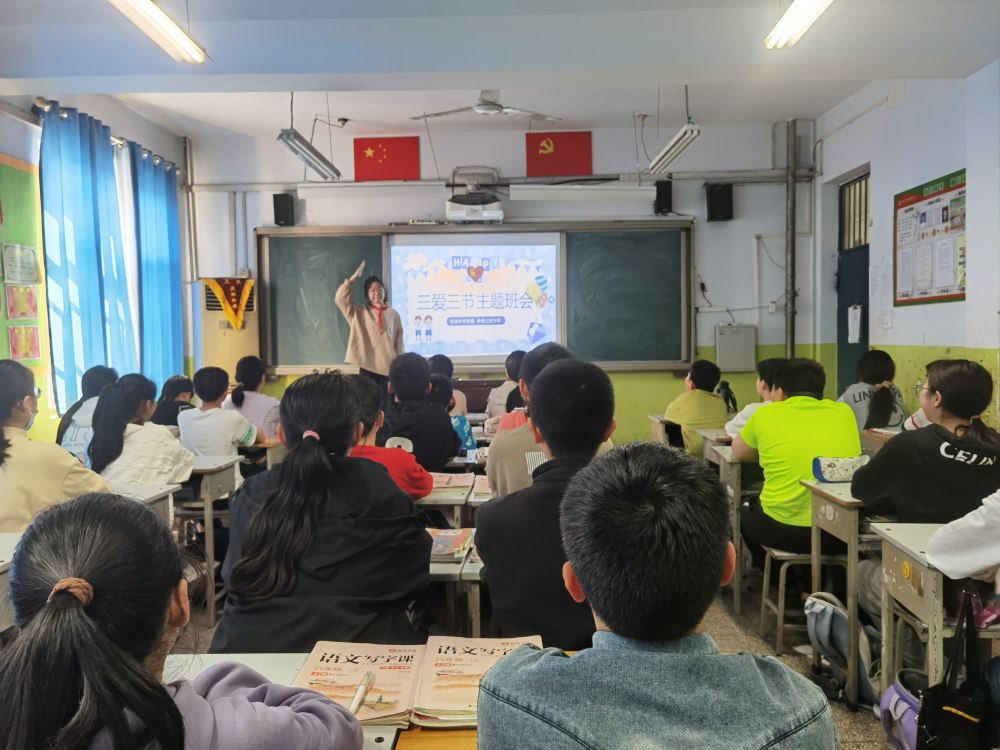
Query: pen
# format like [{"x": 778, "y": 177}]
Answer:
[{"x": 362, "y": 692}]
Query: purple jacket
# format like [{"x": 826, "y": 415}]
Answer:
[{"x": 231, "y": 707}]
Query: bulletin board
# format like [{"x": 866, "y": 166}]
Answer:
[{"x": 929, "y": 250}]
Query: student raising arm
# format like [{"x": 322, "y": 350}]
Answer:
[
  {"x": 126, "y": 448},
  {"x": 93, "y": 626}
]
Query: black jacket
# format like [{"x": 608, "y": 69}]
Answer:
[
  {"x": 928, "y": 475},
  {"x": 429, "y": 427},
  {"x": 369, "y": 558},
  {"x": 519, "y": 540}
]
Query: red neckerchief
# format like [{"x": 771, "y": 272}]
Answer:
[{"x": 379, "y": 311}]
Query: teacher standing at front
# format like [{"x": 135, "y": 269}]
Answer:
[{"x": 376, "y": 329}]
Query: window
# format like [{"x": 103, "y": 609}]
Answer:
[{"x": 855, "y": 210}]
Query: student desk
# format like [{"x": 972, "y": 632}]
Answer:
[
  {"x": 472, "y": 575},
  {"x": 158, "y": 497},
  {"x": 447, "y": 497},
  {"x": 276, "y": 454},
  {"x": 713, "y": 438},
  {"x": 731, "y": 475},
  {"x": 873, "y": 440},
  {"x": 282, "y": 668},
  {"x": 7, "y": 544},
  {"x": 218, "y": 480},
  {"x": 837, "y": 512},
  {"x": 665, "y": 432}
]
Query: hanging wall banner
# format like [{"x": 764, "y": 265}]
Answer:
[
  {"x": 929, "y": 242},
  {"x": 233, "y": 295}
]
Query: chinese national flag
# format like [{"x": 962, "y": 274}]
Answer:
[
  {"x": 559, "y": 154},
  {"x": 387, "y": 158}
]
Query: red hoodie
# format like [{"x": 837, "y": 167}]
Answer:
[{"x": 411, "y": 477}]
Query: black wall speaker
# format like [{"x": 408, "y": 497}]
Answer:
[
  {"x": 719, "y": 199},
  {"x": 664, "y": 197},
  {"x": 284, "y": 209}
]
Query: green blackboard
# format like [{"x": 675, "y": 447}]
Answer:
[
  {"x": 306, "y": 328},
  {"x": 625, "y": 295}
]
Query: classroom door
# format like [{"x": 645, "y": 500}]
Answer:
[{"x": 852, "y": 289}]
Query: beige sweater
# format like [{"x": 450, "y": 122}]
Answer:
[
  {"x": 35, "y": 475},
  {"x": 369, "y": 347}
]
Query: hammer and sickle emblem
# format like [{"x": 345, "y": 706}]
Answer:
[{"x": 546, "y": 146}]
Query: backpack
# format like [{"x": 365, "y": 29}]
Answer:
[{"x": 826, "y": 622}]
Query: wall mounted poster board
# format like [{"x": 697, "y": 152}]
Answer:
[{"x": 929, "y": 242}]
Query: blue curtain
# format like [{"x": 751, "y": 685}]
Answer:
[
  {"x": 90, "y": 319},
  {"x": 158, "y": 234}
]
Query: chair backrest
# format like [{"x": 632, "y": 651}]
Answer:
[
  {"x": 400, "y": 442},
  {"x": 675, "y": 436}
]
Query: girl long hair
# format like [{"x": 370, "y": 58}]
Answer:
[
  {"x": 118, "y": 405},
  {"x": 91, "y": 383},
  {"x": 876, "y": 368},
  {"x": 249, "y": 371},
  {"x": 16, "y": 382},
  {"x": 966, "y": 389},
  {"x": 174, "y": 386},
  {"x": 326, "y": 406},
  {"x": 75, "y": 668}
]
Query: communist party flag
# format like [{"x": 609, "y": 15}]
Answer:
[
  {"x": 387, "y": 158},
  {"x": 559, "y": 154},
  {"x": 233, "y": 295}
]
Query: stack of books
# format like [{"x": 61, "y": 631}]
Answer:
[
  {"x": 450, "y": 545},
  {"x": 481, "y": 491},
  {"x": 436, "y": 685}
]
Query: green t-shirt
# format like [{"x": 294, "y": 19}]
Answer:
[
  {"x": 788, "y": 435},
  {"x": 696, "y": 410}
]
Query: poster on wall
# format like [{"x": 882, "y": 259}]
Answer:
[
  {"x": 20, "y": 264},
  {"x": 24, "y": 343},
  {"x": 929, "y": 242},
  {"x": 22, "y": 302}
]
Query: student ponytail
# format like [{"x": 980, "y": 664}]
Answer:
[
  {"x": 16, "y": 382},
  {"x": 320, "y": 414},
  {"x": 117, "y": 406},
  {"x": 249, "y": 371},
  {"x": 876, "y": 368},
  {"x": 966, "y": 389},
  {"x": 90, "y": 586},
  {"x": 880, "y": 407}
]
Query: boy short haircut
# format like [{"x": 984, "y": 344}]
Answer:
[
  {"x": 535, "y": 360},
  {"x": 441, "y": 390},
  {"x": 705, "y": 375},
  {"x": 370, "y": 401},
  {"x": 800, "y": 377},
  {"x": 409, "y": 376},
  {"x": 211, "y": 383},
  {"x": 646, "y": 529},
  {"x": 512, "y": 365},
  {"x": 572, "y": 405},
  {"x": 440, "y": 364},
  {"x": 766, "y": 369}
]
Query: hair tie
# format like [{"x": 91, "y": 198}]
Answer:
[
  {"x": 978, "y": 416},
  {"x": 311, "y": 434},
  {"x": 885, "y": 384},
  {"x": 78, "y": 587}
]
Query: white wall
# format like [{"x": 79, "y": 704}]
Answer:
[
  {"x": 724, "y": 251},
  {"x": 915, "y": 132}
]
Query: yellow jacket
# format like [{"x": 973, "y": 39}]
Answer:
[{"x": 696, "y": 410}]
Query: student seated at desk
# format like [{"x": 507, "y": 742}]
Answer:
[
  {"x": 246, "y": 398},
  {"x": 572, "y": 412},
  {"x": 32, "y": 475},
  {"x": 936, "y": 474},
  {"x": 798, "y": 426},
  {"x": 496, "y": 402},
  {"x": 442, "y": 365},
  {"x": 765, "y": 389},
  {"x": 646, "y": 533},
  {"x": 537, "y": 358},
  {"x": 94, "y": 625},
  {"x": 875, "y": 399},
  {"x": 322, "y": 547},
  {"x": 413, "y": 416},
  {"x": 411, "y": 477},
  {"x": 213, "y": 431},
  {"x": 698, "y": 408},
  {"x": 76, "y": 426},
  {"x": 442, "y": 395},
  {"x": 175, "y": 397},
  {"x": 128, "y": 449}
]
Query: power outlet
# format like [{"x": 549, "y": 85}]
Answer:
[
  {"x": 772, "y": 307},
  {"x": 887, "y": 320}
]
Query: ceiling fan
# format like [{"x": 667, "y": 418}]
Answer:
[{"x": 489, "y": 104}]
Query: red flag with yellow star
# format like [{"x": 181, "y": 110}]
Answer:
[
  {"x": 566, "y": 154},
  {"x": 387, "y": 158}
]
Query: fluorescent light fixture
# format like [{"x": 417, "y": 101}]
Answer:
[
  {"x": 801, "y": 14},
  {"x": 162, "y": 29},
  {"x": 612, "y": 192},
  {"x": 677, "y": 146},
  {"x": 294, "y": 141},
  {"x": 393, "y": 189}
]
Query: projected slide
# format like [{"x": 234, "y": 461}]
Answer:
[{"x": 465, "y": 300}]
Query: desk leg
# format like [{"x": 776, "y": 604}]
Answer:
[
  {"x": 935, "y": 627},
  {"x": 852, "y": 609},
  {"x": 210, "y": 557},
  {"x": 473, "y": 591},
  {"x": 816, "y": 549},
  {"x": 888, "y": 635}
]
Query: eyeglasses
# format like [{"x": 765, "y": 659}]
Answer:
[
  {"x": 919, "y": 387},
  {"x": 36, "y": 393}
]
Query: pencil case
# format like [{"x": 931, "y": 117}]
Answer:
[{"x": 837, "y": 469}]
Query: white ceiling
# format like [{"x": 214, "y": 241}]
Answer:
[{"x": 591, "y": 62}]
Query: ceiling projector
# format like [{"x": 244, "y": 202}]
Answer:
[{"x": 473, "y": 206}]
